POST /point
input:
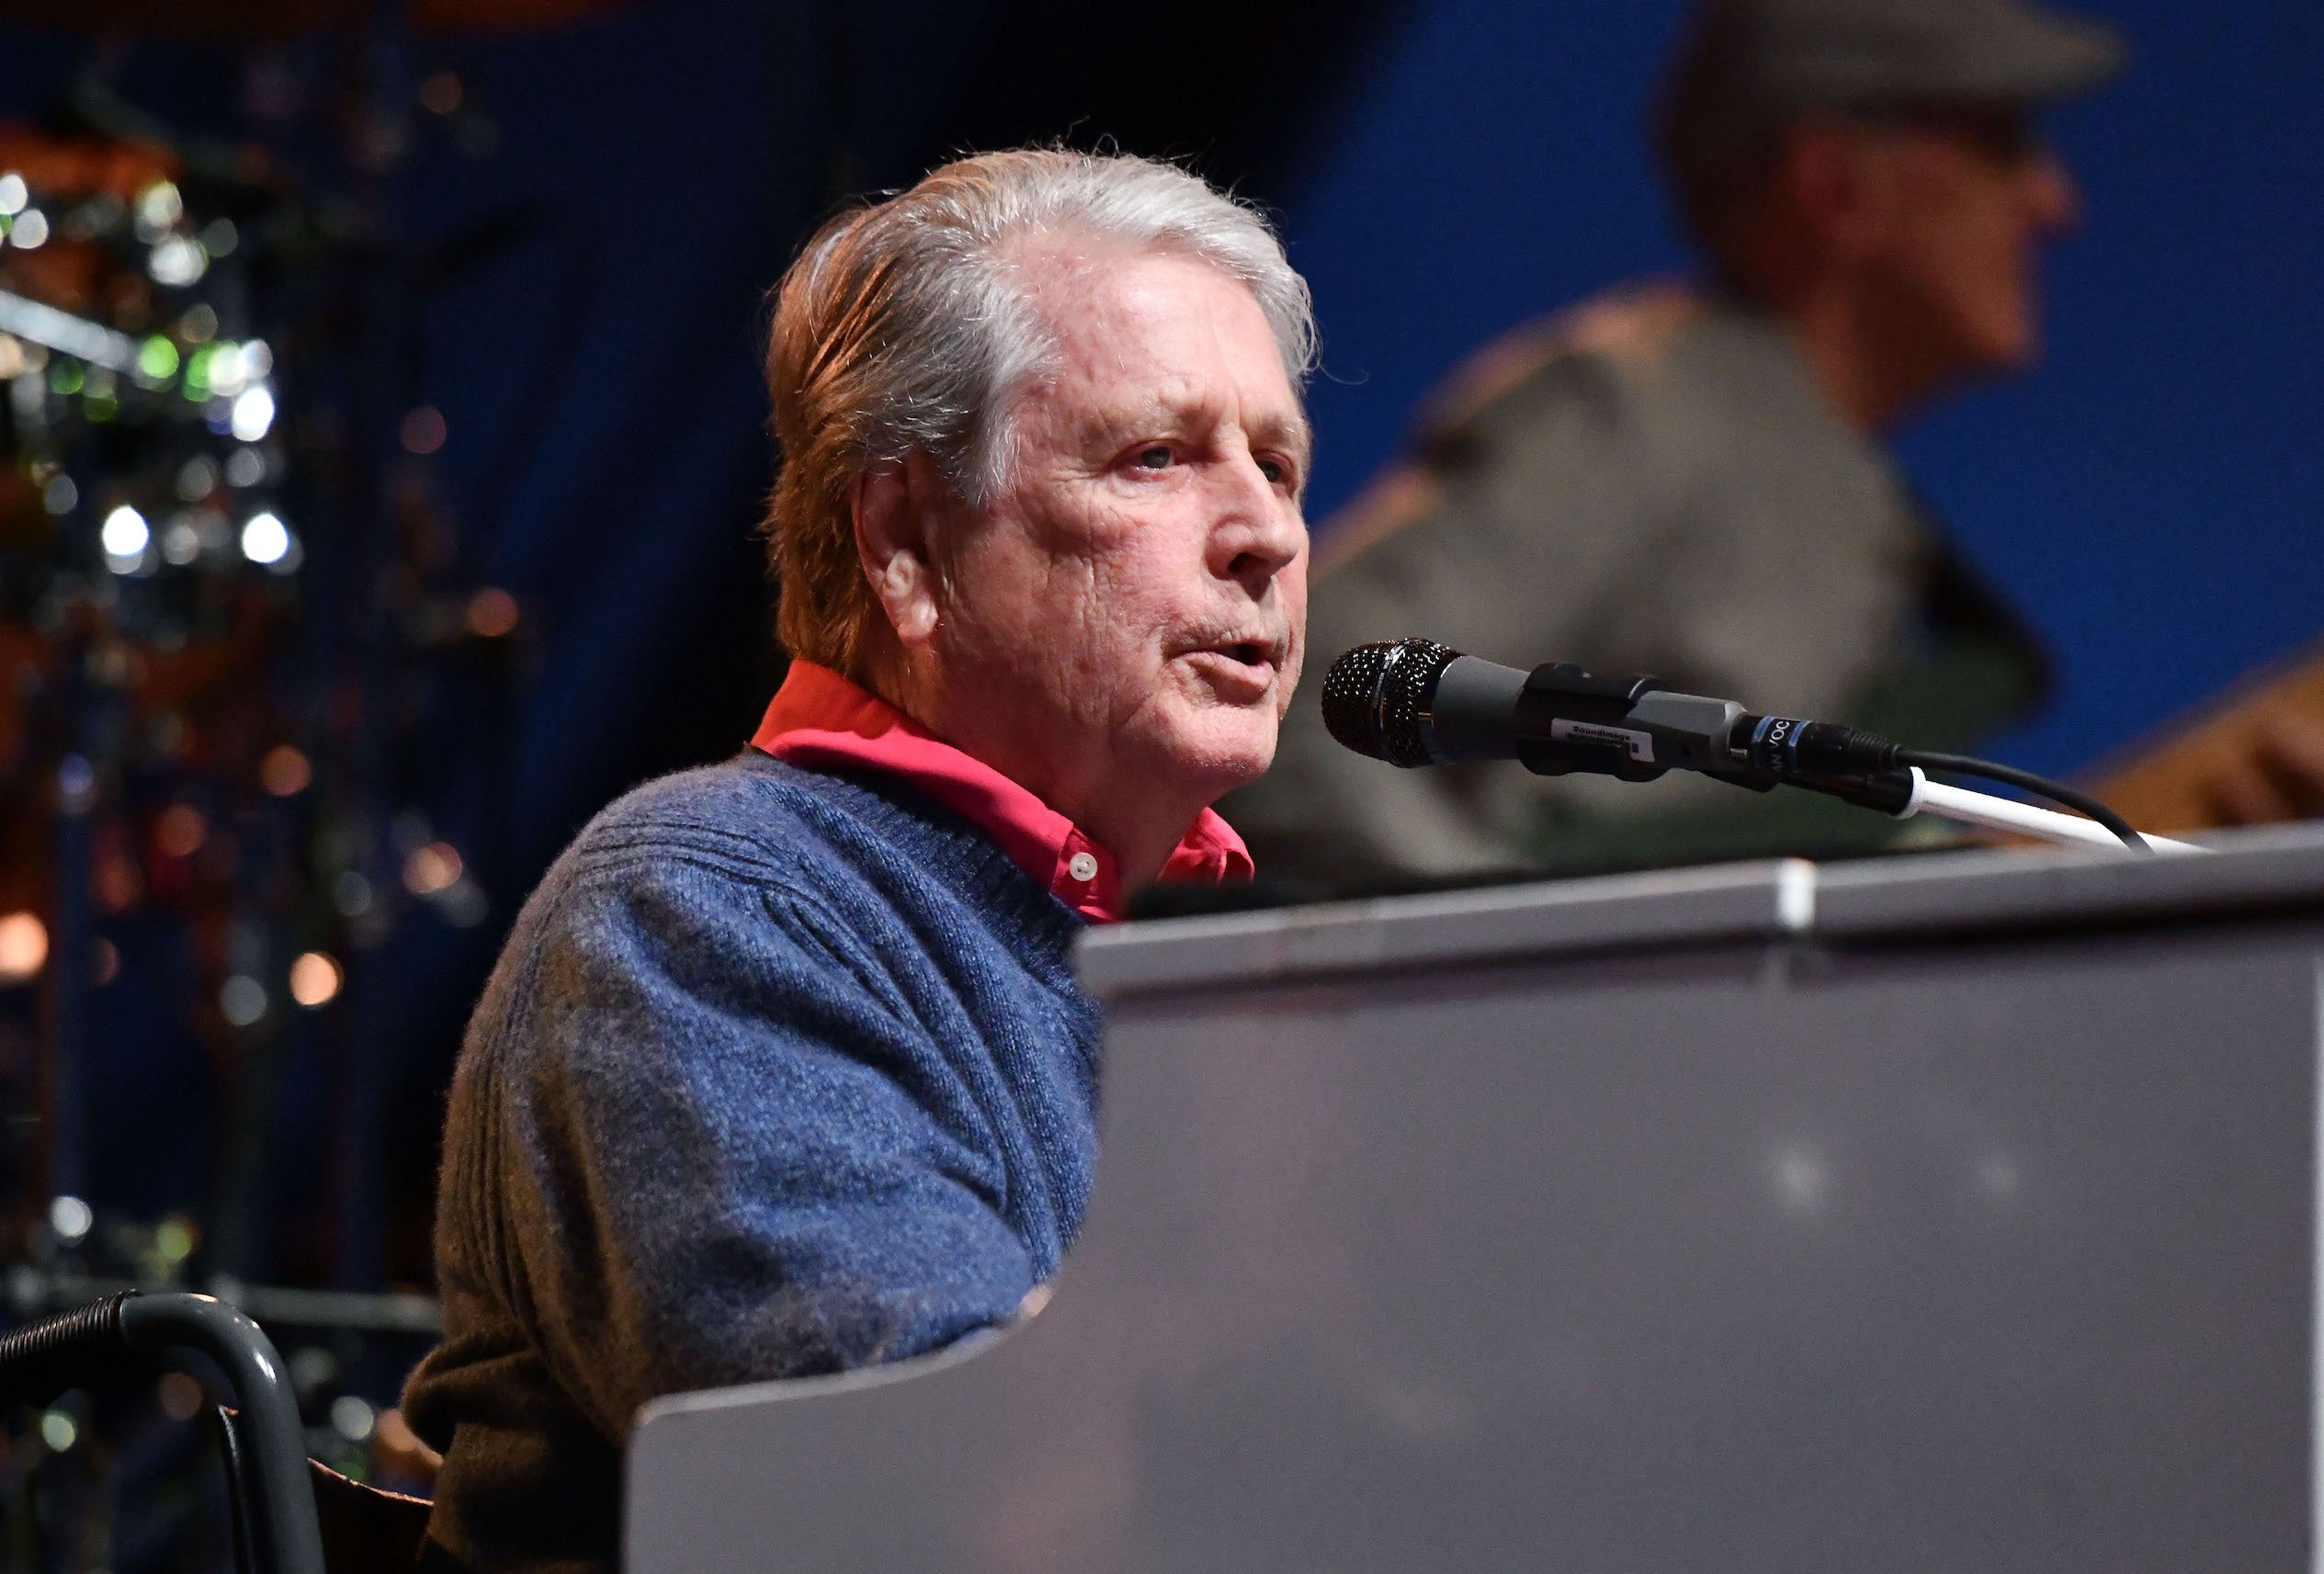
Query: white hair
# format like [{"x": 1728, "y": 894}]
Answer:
[{"x": 907, "y": 326}]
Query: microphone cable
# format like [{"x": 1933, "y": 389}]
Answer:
[{"x": 1968, "y": 765}]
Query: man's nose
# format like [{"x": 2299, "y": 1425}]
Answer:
[
  {"x": 2051, "y": 194},
  {"x": 1257, "y": 532}
]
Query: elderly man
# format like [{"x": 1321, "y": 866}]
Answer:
[
  {"x": 1689, "y": 481},
  {"x": 784, "y": 1069}
]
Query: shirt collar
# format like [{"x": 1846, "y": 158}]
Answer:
[{"x": 819, "y": 720}]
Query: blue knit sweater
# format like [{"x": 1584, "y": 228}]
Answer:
[{"x": 780, "y": 1072}]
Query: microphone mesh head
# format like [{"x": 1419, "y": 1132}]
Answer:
[
  {"x": 1350, "y": 695},
  {"x": 1372, "y": 696}
]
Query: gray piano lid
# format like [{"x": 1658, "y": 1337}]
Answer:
[
  {"x": 1922, "y": 893},
  {"x": 1729, "y": 902},
  {"x": 2006, "y": 888}
]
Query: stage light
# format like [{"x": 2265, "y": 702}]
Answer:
[
  {"x": 30, "y": 230},
  {"x": 422, "y": 431},
  {"x": 158, "y": 359},
  {"x": 284, "y": 772},
  {"x": 256, "y": 359},
  {"x": 181, "y": 1395},
  {"x": 312, "y": 1367},
  {"x": 178, "y": 262},
  {"x": 71, "y": 1219},
  {"x": 463, "y": 904},
  {"x": 180, "y": 830},
  {"x": 351, "y": 894},
  {"x": 181, "y": 542},
  {"x": 265, "y": 538},
  {"x": 61, "y": 496},
  {"x": 431, "y": 868},
  {"x": 315, "y": 979},
  {"x": 254, "y": 413},
  {"x": 241, "y": 999},
  {"x": 492, "y": 613},
  {"x": 441, "y": 93},
  {"x": 197, "y": 478},
  {"x": 221, "y": 369},
  {"x": 58, "y": 1432},
  {"x": 118, "y": 885},
  {"x": 124, "y": 535},
  {"x": 353, "y": 1418},
  {"x": 245, "y": 467},
  {"x": 75, "y": 784},
  {"x": 24, "y": 946},
  {"x": 14, "y": 195},
  {"x": 215, "y": 368},
  {"x": 158, "y": 207},
  {"x": 173, "y": 1238}
]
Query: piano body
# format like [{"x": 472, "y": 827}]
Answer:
[{"x": 1943, "y": 1213}]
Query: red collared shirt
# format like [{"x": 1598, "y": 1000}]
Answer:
[{"x": 818, "y": 719}]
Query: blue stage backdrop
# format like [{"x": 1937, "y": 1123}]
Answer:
[{"x": 2151, "y": 495}]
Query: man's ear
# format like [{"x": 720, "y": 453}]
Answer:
[
  {"x": 895, "y": 507},
  {"x": 1837, "y": 186}
]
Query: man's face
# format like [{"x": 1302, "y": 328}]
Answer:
[
  {"x": 1972, "y": 193},
  {"x": 1131, "y": 611}
]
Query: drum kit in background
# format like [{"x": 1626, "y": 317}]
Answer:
[{"x": 227, "y": 583}]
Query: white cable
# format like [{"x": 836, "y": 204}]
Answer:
[{"x": 2008, "y": 814}]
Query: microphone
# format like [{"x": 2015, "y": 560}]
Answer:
[{"x": 1415, "y": 702}]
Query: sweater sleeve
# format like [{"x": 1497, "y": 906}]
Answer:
[{"x": 725, "y": 1150}]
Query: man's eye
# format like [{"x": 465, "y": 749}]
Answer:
[
  {"x": 1154, "y": 459},
  {"x": 1273, "y": 469}
]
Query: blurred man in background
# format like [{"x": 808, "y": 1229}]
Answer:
[{"x": 1689, "y": 481}]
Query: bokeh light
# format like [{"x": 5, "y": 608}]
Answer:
[
  {"x": 284, "y": 771},
  {"x": 241, "y": 999},
  {"x": 24, "y": 946},
  {"x": 265, "y": 538},
  {"x": 254, "y": 413},
  {"x": 492, "y": 613},
  {"x": 180, "y": 1396},
  {"x": 180, "y": 830},
  {"x": 124, "y": 534},
  {"x": 422, "y": 431},
  {"x": 431, "y": 868},
  {"x": 70, "y": 1219},
  {"x": 315, "y": 979}
]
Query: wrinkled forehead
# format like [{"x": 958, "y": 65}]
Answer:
[{"x": 1144, "y": 332}]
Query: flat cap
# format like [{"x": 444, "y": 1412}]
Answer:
[{"x": 1743, "y": 69}]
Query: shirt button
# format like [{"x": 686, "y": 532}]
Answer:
[{"x": 1082, "y": 866}]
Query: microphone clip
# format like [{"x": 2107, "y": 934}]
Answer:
[{"x": 1568, "y": 718}]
